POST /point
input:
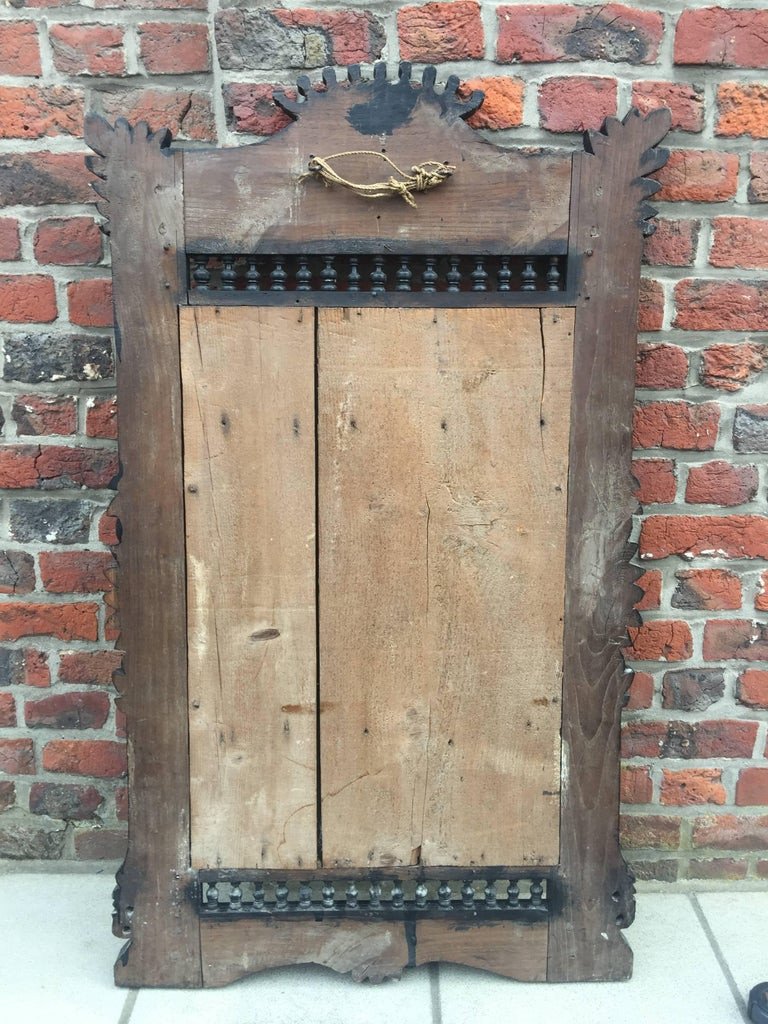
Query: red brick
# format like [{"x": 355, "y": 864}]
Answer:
[
  {"x": 53, "y": 466},
  {"x": 7, "y": 794},
  {"x": 103, "y": 759},
  {"x": 742, "y": 110},
  {"x": 7, "y": 710},
  {"x": 29, "y": 668},
  {"x": 692, "y": 786},
  {"x": 10, "y": 242},
  {"x": 355, "y": 36},
  {"x": 90, "y": 302},
  {"x": 121, "y": 803},
  {"x": 673, "y": 243},
  {"x": 739, "y": 242},
  {"x": 650, "y": 584},
  {"x": 173, "y": 48},
  {"x": 742, "y": 639},
  {"x": 730, "y": 39},
  {"x": 752, "y": 787},
  {"x": 721, "y": 305},
  {"x": 101, "y": 844},
  {"x": 679, "y": 425},
  {"x": 684, "y": 101},
  {"x": 45, "y": 414},
  {"x": 112, "y": 617},
  {"x": 660, "y": 641},
  {"x": 437, "y": 32},
  {"x": 101, "y": 418},
  {"x": 87, "y": 49},
  {"x": 730, "y": 367},
  {"x": 503, "y": 103},
  {"x": 109, "y": 530},
  {"x": 698, "y": 176},
  {"x": 76, "y": 572},
  {"x": 17, "y": 757},
  {"x": 71, "y": 241},
  {"x": 17, "y": 572},
  {"x": 561, "y": 32},
  {"x": 758, "y": 185},
  {"x": 640, "y": 691},
  {"x": 89, "y": 667},
  {"x": 752, "y": 688},
  {"x": 650, "y": 313},
  {"x": 686, "y": 740},
  {"x": 36, "y": 179},
  {"x": 656, "y": 480},
  {"x": 27, "y": 299},
  {"x": 762, "y": 868},
  {"x": 74, "y": 710},
  {"x": 730, "y": 832},
  {"x": 187, "y": 112},
  {"x": 720, "y": 536},
  {"x": 661, "y": 366},
  {"x": 750, "y": 428},
  {"x": 714, "y": 590},
  {"x": 652, "y": 831},
  {"x": 692, "y": 689},
  {"x": 19, "y": 48},
  {"x": 721, "y": 868},
  {"x": 250, "y": 108},
  {"x": 761, "y": 598},
  {"x": 721, "y": 483},
  {"x": 121, "y": 724},
  {"x": 76, "y": 621},
  {"x": 65, "y": 801},
  {"x": 36, "y": 112},
  {"x": 636, "y": 785},
  {"x": 576, "y": 104}
]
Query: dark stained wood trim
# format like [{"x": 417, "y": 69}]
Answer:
[
  {"x": 142, "y": 192},
  {"x": 608, "y": 214}
]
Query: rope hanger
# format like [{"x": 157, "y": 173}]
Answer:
[{"x": 426, "y": 175}]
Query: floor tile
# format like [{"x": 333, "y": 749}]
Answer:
[
  {"x": 739, "y": 923},
  {"x": 676, "y": 980},
  {"x": 58, "y": 949},
  {"x": 293, "y": 995}
]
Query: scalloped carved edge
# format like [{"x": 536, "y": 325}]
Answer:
[
  {"x": 451, "y": 104},
  {"x": 100, "y": 136},
  {"x": 641, "y": 132}
]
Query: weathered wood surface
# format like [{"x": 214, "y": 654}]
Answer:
[
  {"x": 597, "y": 896},
  {"x": 443, "y": 456},
  {"x": 371, "y": 951},
  {"x": 249, "y": 473},
  {"x": 496, "y": 201},
  {"x": 144, "y": 193}
]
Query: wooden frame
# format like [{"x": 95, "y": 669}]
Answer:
[{"x": 164, "y": 205}]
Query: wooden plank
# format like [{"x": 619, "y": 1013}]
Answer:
[
  {"x": 499, "y": 201},
  {"x": 586, "y": 941},
  {"x": 249, "y": 474},
  {"x": 368, "y": 951},
  {"x": 144, "y": 203},
  {"x": 508, "y": 948},
  {"x": 443, "y": 453}
]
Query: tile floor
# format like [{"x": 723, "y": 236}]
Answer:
[{"x": 696, "y": 956}]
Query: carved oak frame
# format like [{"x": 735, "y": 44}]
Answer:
[{"x": 161, "y": 205}]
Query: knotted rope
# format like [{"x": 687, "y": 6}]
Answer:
[{"x": 423, "y": 176}]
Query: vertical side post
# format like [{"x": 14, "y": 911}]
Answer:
[
  {"x": 595, "y": 887},
  {"x": 142, "y": 197}
]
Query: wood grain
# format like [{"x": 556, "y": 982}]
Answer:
[
  {"x": 497, "y": 201},
  {"x": 152, "y": 908},
  {"x": 513, "y": 950},
  {"x": 367, "y": 951},
  {"x": 443, "y": 452},
  {"x": 249, "y": 473},
  {"x": 586, "y": 940}
]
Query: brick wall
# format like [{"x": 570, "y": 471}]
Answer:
[{"x": 695, "y": 782}]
